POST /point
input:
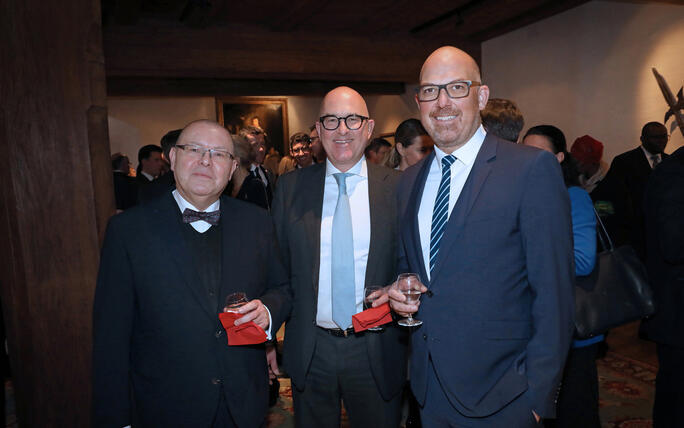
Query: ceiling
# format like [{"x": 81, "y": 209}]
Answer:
[{"x": 209, "y": 46}]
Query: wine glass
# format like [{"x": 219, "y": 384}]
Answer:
[
  {"x": 409, "y": 285},
  {"x": 368, "y": 301},
  {"x": 234, "y": 301}
]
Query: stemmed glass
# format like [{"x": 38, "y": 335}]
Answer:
[
  {"x": 234, "y": 301},
  {"x": 368, "y": 300},
  {"x": 409, "y": 285}
]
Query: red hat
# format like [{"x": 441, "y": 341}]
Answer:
[{"x": 587, "y": 150}]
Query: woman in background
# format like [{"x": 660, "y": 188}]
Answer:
[
  {"x": 578, "y": 400},
  {"x": 411, "y": 144}
]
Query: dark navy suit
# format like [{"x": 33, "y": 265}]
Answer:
[{"x": 498, "y": 316}]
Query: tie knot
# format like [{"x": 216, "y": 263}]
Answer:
[
  {"x": 341, "y": 178},
  {"x": 448, "y": 160}
]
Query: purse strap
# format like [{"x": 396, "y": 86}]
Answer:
[{"x": 603, "y": 236}]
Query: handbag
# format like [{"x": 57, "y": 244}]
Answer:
[{"x": 615, "y": 293}]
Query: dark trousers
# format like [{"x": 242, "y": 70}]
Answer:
[
  {"x": 668, "y": 409},
  {"x": 340, "y": 373},
  {"x": 439, "y": 413},
  {"x": 578, "y": 399}
]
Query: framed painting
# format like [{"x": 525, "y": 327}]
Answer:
[{"x": 270, "y": 114}]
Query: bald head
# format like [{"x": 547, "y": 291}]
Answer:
[
  {"x": 343, "y": 96},
  {"x": 451, "y": 122},
  {"x": 202, "y": 127},
  {"x": 344, "y": 146},
  {"x": 449, "y": 57}
]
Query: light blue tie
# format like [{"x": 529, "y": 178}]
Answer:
[
  {"x": 342, "y": 265},
  {"x": 440, "y": 214}
]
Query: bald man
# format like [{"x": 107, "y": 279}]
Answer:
[
  {"x": 160, "y": 355},
  {"x": 486, "y": 225},
  {"x": 337, "y": 232}
]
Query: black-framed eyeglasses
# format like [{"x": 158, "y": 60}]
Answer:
[
  {"x": 197, "y": 152},
  {"x": 455, "y": 89},
  {"x": 352, "y": 122}
]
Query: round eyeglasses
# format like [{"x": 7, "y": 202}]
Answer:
[
  {"x": 352, "y": 122},
  {"x": 455, "y": 89}
]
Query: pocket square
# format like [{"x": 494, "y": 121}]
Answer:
[
  {"x": 372, "y": 317},
  {"x": 243, "y": 334}
]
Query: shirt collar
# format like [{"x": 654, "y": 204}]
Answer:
[
  {"x": 183, "y": 204},
  {"x": 360, "y": 168},
  {"x": 648, "y": 154},
  {"x": 467, "y": 153},
  {"x": 148, "y": 176}
]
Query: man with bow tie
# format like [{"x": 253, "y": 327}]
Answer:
[{"x": 160, "y": 355}]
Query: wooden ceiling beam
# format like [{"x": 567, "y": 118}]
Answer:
[{"x": 229, "y": 53}]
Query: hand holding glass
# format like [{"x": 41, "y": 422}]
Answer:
[
  {"x": 371, "y": 293},
  {"x": 409, "y": 284},
  {"x": 234, "y": 301}
]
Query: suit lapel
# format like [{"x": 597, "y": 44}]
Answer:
[
  {"x": 412, "y": 236},
  {"x": 311, "y": 188},
  {"x": 166, "y": 220},
  {"x": 380, "y": 201},
  {"x": 473, "y": 185}
]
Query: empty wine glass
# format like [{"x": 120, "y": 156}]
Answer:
[
  {"x": 370, "y": 294},
  {"x": 409, "y": 285},
  {"x": 234, "y": 301}
]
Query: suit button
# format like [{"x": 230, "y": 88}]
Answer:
[
  {"x": 429, "y": 293},
  {"x": 425, "y": 337},
  {"x": 211, "y": 294},
  {"x": 216, "y": 381},
  {"x": 219, "y": 333}
]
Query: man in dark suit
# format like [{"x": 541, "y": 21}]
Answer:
[
  {"x": 160, "y": 356},
  {"x": 165, "y": 183},
  {"x": 486, "y": 224},
  {"x": 663, "y": 207},
  {"x": 257, "y": 139},
  {"x": 149, "y": 164},
  {"x": 623, "y": 187},
  {"x": 337, "y": 232}
]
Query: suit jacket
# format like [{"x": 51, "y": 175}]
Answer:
[
  {"x": 624, "y": 187},
  {"x": 156, "y": 188},
  {"x": 160, "y": 356},
  {"x": 125, "y": 190},
  {"x": 663, "y": 207},
  {"x": 297, "y": 209},
  {"x": 497, "y": 320}
]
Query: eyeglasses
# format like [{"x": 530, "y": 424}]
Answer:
[
  {"x": 352, "y": 122},
  {"x": 301, "y": 149},
  {"x": 197, "y": 152},
  {"x": 455, "y": 89}
]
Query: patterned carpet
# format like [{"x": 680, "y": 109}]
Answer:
[{"x": 626, "y": 396}]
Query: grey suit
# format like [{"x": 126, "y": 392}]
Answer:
[{"x": 297, "y": 210}]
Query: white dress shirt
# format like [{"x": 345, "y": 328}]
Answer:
[
  {"x": 150, "y": 177},
  {"x": 460, "y": 169},
  {"x": 652, "y": 159},
  {"x": 357, "y": 189},
  {"x": 259, "y": 173},
  {"x": 202, "y": 226}
]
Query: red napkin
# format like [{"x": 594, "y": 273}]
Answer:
[
  {"x": 372, "y": 317},
  {"x": 243, "y": 334}
]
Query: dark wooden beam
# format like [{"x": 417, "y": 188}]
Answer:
[
  {"x": 253, "y": 53},
  {"x": 124, "y": 86},
  {"x": 55, "y": 199}
]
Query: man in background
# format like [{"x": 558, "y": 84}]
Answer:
[
  {"x": 125, "y": 187},
  {"x": 378, "y": 150},
  {"x": 166, "y": 182},
  {"x": 149, "y": 164},
  {"x": 502, "y": 118}
]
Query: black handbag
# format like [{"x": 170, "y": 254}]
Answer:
[{"x": 615, "y": 293}]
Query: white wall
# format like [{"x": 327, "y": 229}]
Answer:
[
  {"x": 588, "y": 70},
  {"x": 136, "y": 121}
]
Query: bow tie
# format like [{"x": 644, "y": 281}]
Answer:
[{"x": 190, "y": 216}]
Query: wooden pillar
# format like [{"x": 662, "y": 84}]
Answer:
[{"x": 55, "y": 198}]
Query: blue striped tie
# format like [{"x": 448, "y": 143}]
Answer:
[
  {"x": 342, "y": 260},
  {"x": 440, "y": 214}
]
